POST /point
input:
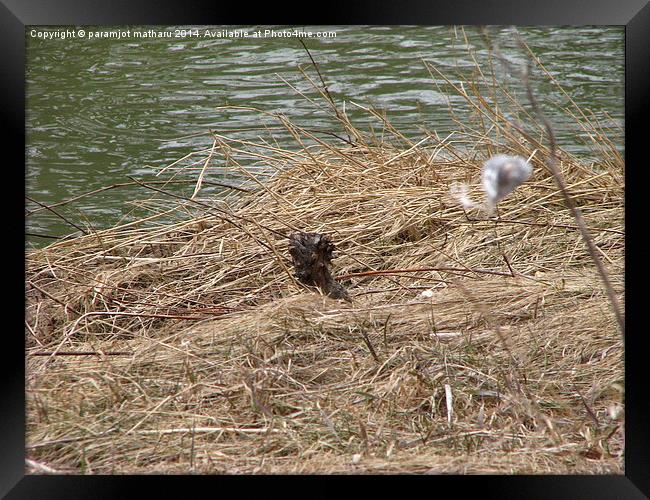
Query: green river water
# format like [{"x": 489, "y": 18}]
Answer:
[{"x": 101, "y": 109}]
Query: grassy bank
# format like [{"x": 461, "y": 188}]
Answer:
[{"x": 471, "y": 345}]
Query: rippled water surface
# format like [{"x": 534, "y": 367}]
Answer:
[{"x": 101, "y": 110}]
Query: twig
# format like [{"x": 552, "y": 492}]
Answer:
[
  {"x": 128, "y": 184},
  {"x": 370, "y": 347},
  {"x": 590, "y": 412},
  {"x": 548, "y": 224},
  {"x": 57, "y": 214},
  {"x": 327, "y": 92},
  {"x": 577, "y": 214},
  {"x": 199, "y": 181},
  {"x": 80, "y": 353},
  {"x": 41, "y": 468},
  {"x": 450, "y": 403},
  {"x": 203, "y": 430},
  {"x": 420, "y": 270},
  {"x": 36, "y": 235},
  {"x": 204, "y": 205},
  {"x": 66, "y": 307}
]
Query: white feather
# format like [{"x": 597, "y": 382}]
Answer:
[{"x": 502, "y": 174}]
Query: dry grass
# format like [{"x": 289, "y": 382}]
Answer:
[{"x": 211, "y": 358}]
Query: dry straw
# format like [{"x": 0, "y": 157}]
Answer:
[{"x": 197, "y": 350}]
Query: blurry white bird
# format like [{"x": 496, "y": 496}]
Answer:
[{"x": 501, "y": 175}]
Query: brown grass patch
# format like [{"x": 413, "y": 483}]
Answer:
[{"x": 212, "y": 358}]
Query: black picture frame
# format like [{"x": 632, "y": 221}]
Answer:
[{"x": 15, "y": 15}]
